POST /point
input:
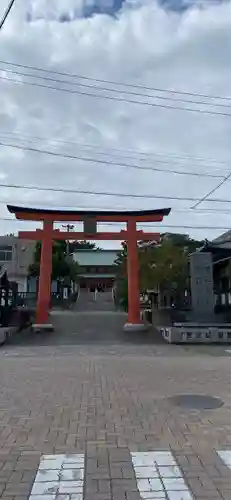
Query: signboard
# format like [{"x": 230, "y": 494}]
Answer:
[{"x": 90, "y": 225}]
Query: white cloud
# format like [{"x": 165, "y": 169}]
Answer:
[{"x": 143, "y": 44}]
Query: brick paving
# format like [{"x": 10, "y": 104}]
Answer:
[{"x": 107, "y": 401}]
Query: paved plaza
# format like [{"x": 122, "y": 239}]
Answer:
[{"x": 85, "y": 414}]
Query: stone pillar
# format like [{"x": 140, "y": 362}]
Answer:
[{"x": 201, "y": 274}]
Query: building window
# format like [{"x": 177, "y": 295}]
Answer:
[{"x": 6, "y": 253}]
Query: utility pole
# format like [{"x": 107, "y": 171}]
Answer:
[
  {"x": 5, "y": 15},
  {"x": 68, "y": 227}
]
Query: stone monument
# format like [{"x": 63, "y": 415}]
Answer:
[{"x": 202, "y": 294}]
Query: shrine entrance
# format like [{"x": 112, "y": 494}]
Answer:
[{"x": 90, "y": 219}]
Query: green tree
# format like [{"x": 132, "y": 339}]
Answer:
[
  {"x": 163, "y": 267},
  {"x": 182, "y": 240},
  {"x": 62, "y": 266},
  {"x": 121, "y": 278}
]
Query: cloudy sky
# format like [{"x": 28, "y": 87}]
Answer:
[{"x": 122, "y": 66}]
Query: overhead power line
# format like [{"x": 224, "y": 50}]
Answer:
[
  {"x": 113, "y": 82},
  {"x": 107, "y": 162},
  {"x": 137, "y": 152},
  {"x": 204, "y": 198},
  {"x": 137, "y": 155},
  {"x": 94, "y": 193},
  {"x": 116, "y": 91},
  {"x": 161, "y": 226},
  {"x": 116, "y": 99},
  {"x": 108, "y": 193},
  {"x": 173, "y": 226},
  {"x": 5, "y": 15}
]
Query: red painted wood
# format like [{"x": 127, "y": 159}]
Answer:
[
  {"x": 133, "y": 274},
  {"x": 62, "y": 235},
  {"x": 76, "y": 217},
  {"x": 44, "y": 291}
]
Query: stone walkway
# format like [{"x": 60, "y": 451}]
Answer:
[
  {"x": 104, "y": 410},
  {"x": 91, "y": 328}
]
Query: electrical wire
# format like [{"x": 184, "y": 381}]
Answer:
[
  {"x": 5, "y": 15},
  {"x": 107, "y": 162},
  {"x": 212, "y": 191},
  {"x": 114, "y": 152},
  {"x": 117, "y": 99},
  {"x": 116, "y": 91},
  {"x": 112, "y": 82},
  {"x": 108, "y": 193},
  {"x": 144, "y": 225}
]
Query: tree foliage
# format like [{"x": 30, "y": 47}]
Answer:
[
  {"x": 182, "y": 240},
  {"x": 163, "y": 267},
  {"x": 62, "y": 266},
  {"x": 121, "y": 288}
]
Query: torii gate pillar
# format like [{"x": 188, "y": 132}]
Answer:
[
  {"x": 44, "y": 291},
  {"x": 133, "y": 277}
]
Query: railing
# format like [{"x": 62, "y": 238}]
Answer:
[
  {"x": 11, "y": 314},
  {"x": 57, "y": 300},
  {"x": 27, "y": 299}
]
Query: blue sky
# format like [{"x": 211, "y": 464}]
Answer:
[{"x": 89, "y": 8}]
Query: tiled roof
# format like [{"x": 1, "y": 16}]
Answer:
[
  {"x": 95, "y": 257},
  {"x": 223, "y": 240}
]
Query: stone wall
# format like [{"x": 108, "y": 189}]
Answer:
[{"x": 197, "y": 334}]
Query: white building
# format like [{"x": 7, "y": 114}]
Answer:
[{"x": 16, "y": 255}]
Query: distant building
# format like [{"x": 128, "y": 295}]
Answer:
[
  {"x": 220, "y": 248},
  {"x": 224, "y": 240},
  {"x": 97, "y": 267},
  {"x": 16, "y": 255}
]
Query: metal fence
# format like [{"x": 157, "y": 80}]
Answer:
[{"x": 27, "y": 299}]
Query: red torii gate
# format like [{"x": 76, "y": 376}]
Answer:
[{"x": 46, "y": 235}]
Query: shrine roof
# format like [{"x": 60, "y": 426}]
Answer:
[
  {"x": 14, "y": 209},
  {"x": 218, "y": 252}
]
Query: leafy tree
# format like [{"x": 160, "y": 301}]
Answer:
[
  {"x": 62, "y": 266},
  {"x": 182, "y": 240},
  {"x": 121, "y": 277},
  {"x": 121, "y": 261},
  {"x": 163, "y": 267}
]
